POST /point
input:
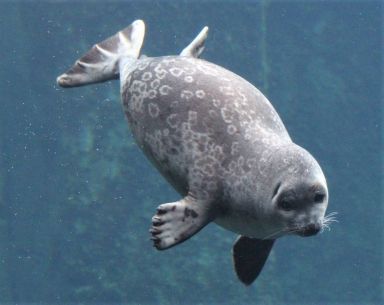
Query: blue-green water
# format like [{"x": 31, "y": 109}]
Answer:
[{"x": 77, "y": 195}]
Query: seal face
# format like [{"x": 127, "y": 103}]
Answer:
[{"x": 218, "y": 140}]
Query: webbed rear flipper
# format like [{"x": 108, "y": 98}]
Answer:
[
  {"x": 101, "y": 62},
  {"x": 196, "y": 47}
]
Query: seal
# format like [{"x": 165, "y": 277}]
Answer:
[{"x": 219, "y": 142}]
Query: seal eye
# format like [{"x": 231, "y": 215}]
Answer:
[
  {"x": 319, "y": 198},
  {"x": 285, "y": 204}
]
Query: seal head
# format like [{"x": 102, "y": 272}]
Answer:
[{"x": 300, "y": 196}]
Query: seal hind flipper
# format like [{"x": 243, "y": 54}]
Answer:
[
  {"x": 101, "y": 62},
  {"x": 249, "y": 257},
  {"x": 175, "y": 222},
  {"x": 196, "y": 47}
]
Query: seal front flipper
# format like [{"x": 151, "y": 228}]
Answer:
[
  {"x": 175, "y": 222},
  {"x": 102, "y": 62},
  {"x": 249, "y": 257}
]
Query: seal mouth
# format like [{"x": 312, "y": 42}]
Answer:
[{"x": 309, "y": 230}]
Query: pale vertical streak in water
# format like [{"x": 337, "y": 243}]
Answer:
[{"x": 264, "y": 60}]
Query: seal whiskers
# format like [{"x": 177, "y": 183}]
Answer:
[{"x": 328, "y": 219}]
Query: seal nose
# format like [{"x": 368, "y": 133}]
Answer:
[{"x": 311, "y": 229}]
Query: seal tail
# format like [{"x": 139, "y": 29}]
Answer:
[{"x": 101, "y": 63}]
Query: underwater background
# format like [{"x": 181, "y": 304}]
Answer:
[{"x": 77, "y": 195}]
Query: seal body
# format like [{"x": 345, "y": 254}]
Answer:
[
  {"x": 204, "y": 127},
  {"x": 209, "y": 132},
  {"x": 218, "y": 140}
]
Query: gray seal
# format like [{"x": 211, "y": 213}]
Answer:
[{"x": 219, "y": 142}]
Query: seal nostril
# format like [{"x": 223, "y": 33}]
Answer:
[{"x": 310, "y": 230}]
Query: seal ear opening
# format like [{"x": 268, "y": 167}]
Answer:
[{"x": 101, "y": 62}]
